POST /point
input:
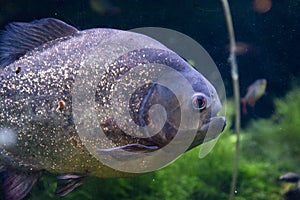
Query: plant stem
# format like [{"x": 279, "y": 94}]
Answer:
[{"x": 235, "y": 80}]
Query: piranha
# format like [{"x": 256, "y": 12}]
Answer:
[
  {"x": 44, "y": 63},
  {"x": 254, "y": 92}
]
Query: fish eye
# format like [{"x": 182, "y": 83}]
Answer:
[{"x": 199, "y": 101}]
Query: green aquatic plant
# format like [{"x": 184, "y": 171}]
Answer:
[
  {"x": 273, "y": 145},
  {"x": 279, "y": 136},
  {"x": 269, "y": 148}
]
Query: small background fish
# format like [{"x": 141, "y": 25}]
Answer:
[{"x": 254, "y": 92}]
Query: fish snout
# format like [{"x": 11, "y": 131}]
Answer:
[
  {"x": 224, "y": 125},
  {"x": 214, "y": 127}
]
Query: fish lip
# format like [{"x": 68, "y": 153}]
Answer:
[
  {"x": 209, "y": 130},
  {"x": 216, "y": 119}
]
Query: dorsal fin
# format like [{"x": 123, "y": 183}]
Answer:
[{"x": 21, "y": 37}]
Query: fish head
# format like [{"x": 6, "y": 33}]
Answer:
[
  {"x": 181, "y": 101},
  {"x": 263, "y": 83},
  {"x": 152, "y": 106}
]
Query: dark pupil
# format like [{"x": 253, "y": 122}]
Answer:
[{"x": 199, "y": 102}]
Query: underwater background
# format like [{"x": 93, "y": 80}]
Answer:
[{"x": 269, "y": 48}]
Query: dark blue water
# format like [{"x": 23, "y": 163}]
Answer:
[{"x": 272, "y": 40}]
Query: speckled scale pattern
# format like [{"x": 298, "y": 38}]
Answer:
[{"x": 30, "y": 91}]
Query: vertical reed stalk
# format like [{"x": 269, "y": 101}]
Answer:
[{"x": 235, "y": 80}]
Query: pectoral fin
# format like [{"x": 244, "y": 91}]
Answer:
[
  {"x": 140, "y": 148},
  {"x": 68, "y": 182},
  {"x": 127, "y": 152}
]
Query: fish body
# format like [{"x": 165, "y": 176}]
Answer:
[
  {"x": 40, "y": 63},
  {"x": 254, "y": 92}
]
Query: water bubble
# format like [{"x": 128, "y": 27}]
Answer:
[{"x": 7, "y": 137}]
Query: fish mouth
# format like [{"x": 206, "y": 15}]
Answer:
[{"x": 209, "y": 130}]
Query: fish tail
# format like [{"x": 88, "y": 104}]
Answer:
[{"x": 244, "y": 105}]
